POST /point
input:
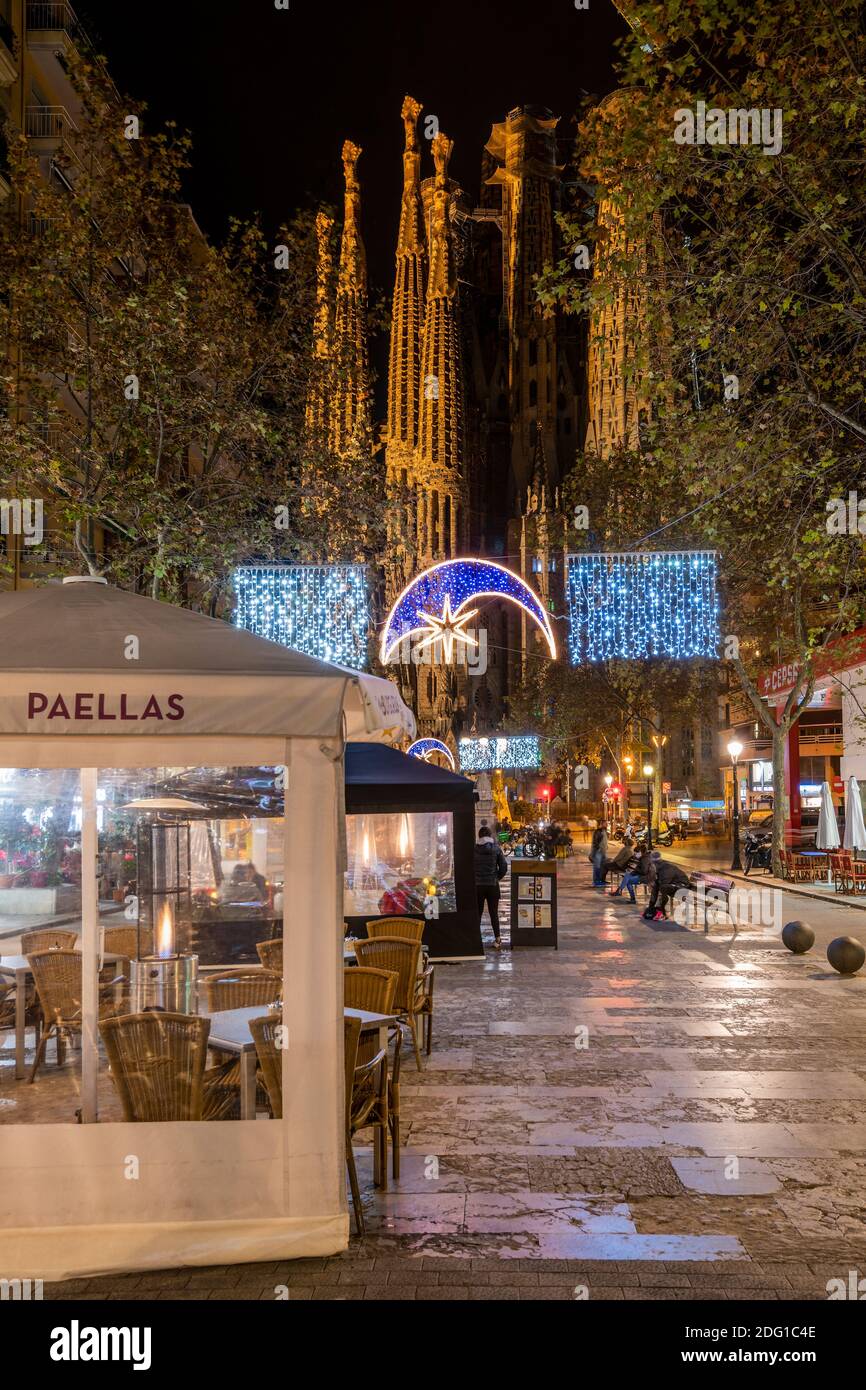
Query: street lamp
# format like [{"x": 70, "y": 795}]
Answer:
[
  {"x": 735, "y": 748},
  {"x": 648, "y": 772}
]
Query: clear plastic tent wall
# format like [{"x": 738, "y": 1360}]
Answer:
[{"x": 86, "y": 1190}]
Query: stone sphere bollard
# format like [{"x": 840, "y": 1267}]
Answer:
[
  {"x": 798, "y": 937},
  {"x": 846, "y": 954}
]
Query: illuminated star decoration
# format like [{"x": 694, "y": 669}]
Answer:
[
  {"x": 424, "y": 748},
  {"x": 643, "y": 604},
  {"x": 448, "y": 629},
  {"x": 433, "y": 604}
]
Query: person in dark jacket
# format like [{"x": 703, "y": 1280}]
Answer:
[
  {"x": 598, "y": 855},
  {"x": 620, "y": 861},
  {"x": 490, "y": 866},
  {"x": 668, "y": 878},
  {"x": 636, "y": 871}
]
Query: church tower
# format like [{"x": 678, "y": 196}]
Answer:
[
  {"x": 404, "y": 361},
  {"x": 439, "y": 459},
  {"x": 319, "y": 387},
  {"x": 350, "y": 410},
  {"x": 527, "y": 174}
]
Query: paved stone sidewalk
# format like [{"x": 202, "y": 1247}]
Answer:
[{"x": 705, "y": 1137}]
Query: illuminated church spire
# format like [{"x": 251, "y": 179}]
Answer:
[
  {"x": 407, "y": 314},
  {"x": 617, "y": 351},
  {"x": 527, "y": 175},
  {"x": 318, "y": 393},
  {"x": 350, "y": 416},
  {"x": 439, "y": 458}
]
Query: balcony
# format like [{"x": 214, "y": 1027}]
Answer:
[
  {"x": 50, "y": 124},
  {"x": 8, "y": 61},
  {"x": 54, "y": 26}
]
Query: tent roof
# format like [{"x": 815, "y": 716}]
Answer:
[
  {"x": 74, "y": 637},
  {"x": 43, "y": 630},
  {"x": 378, "y": 777}
]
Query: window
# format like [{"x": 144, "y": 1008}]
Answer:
[
  {"x": 189, "y": 875},
  {"x": 397, "y": 861}
]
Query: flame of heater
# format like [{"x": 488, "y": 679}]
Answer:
[{"x": 165, "y": 934}]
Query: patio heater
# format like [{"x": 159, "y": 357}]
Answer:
[
  {"x": 164, "y": 977},
  {"x": 648, "y": 771},
  {"x": 735, "y": 748}
]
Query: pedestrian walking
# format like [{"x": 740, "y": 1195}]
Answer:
[
  {"x": 490, "y": 867},
  {"x": 598, "y": 855}
]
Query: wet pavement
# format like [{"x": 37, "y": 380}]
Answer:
[{"x": 649, "y": 1112}]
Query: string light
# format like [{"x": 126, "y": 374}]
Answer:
[
  {"x": 423, "y": 748},
  {"x": 490, "y": 754},
  {"x": 431, "y": 604},
  {"x": 321, "y": 610},
  {"x": 637, "y": 605}
]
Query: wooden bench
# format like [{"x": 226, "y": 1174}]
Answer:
[{"x": 707, "y": 890}]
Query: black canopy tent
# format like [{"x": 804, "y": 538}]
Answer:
[{"x": 381, "y": 781}]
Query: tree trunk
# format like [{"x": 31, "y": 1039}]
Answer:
[{"x": 779, "y": 736}]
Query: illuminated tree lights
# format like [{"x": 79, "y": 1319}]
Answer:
[
  {"x": 636, "y": 605},
  {"x": 431, "y": 605},
  {"x": 321, "y": 610},
  {"x": 488, "y": 754},
  {"x": 424, "y": 748}
]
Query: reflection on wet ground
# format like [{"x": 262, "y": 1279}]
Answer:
[{"x": 708, "y": 1140}]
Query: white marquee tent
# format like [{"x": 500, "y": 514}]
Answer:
[{"x": 92, "y": 677}]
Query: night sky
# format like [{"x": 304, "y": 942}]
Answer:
[{"x": 269, "y": 96}]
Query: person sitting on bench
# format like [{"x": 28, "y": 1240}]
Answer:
[
  {"x": 619, "y": 862},
  {"x": 636, "y": 871},
  {"x": 667, "y": 879}
]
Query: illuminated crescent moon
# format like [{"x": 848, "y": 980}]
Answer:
[
  {"x": 423, "y": 747},
  {"x": 443, "y": 590}
]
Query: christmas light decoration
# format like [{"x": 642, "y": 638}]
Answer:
[
  {"x": 433, "y": 604},
  {"x": 321, "y": 610},
  {"x": 424, "y": 748},
  {"x": 488, "y": 754},
  {"x": 637, "y": 605}
]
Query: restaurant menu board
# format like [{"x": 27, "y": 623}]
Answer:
[{"x": 533, "y": 902}]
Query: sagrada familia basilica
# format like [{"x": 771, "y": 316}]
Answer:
[{"x": 490, "y": 396}]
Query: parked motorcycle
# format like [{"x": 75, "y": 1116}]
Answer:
[
  {"x": 660, "y": 837},
  {"x": 757, "y": 851}
]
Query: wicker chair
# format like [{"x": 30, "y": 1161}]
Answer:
[
  {"x": 366, "y": 1104},
  {"x": 242, "y": 989},
  {"x": 271, "y": 955},
  {"x": 264, "y": 1031},
  {"x": 373, "y": 990},
  {"x": 158, "y": 1064},
  {"x": 121, "y": 941},
  {"x": 414, "y": 994},
  {"x": 395, "y": 1035},
  {"x": 57, "y": 975},
  {"x": 859, "y": 870},
  {"x": 47, "y": 939},
  {"x": 369, "y": 989},
  {"x": 407, "y": 928}
]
